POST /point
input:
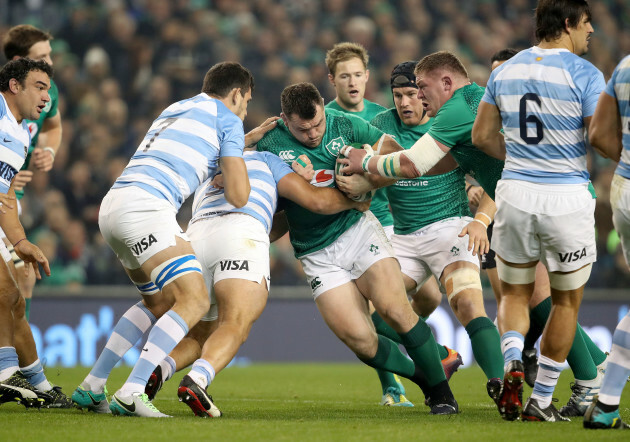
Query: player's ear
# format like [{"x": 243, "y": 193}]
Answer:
[
  {"x": 566, "y": 25},
  {"x": 367, "y": 75},
  {"x": 13, "y": 85},
  {"x": 331, "y": 79},
  {"x": 284, "y": 118},
  {"x": 236, "y": 93},
  {"x": 447, "y": 83}
]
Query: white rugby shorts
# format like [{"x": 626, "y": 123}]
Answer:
[
  {"x": 137, "y": 225},
  {"x": 620, "y": 203},
  {"x": 430, "y": 249},
  {"x": 231, "y": 246},
  {"x": 553, "y": 223},
  {"x": 348, "y": 257}
]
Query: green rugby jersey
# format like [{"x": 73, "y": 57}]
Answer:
[
  {"x": 452, "y": 126},
  {"x": 379, "y": 205},
  {"x": 309, "y": 231},
  {"x": 50, "y": 110},
  {"x": 418, "y": 202}
]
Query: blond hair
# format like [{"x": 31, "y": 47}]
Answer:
[{"x": 344, "y": 52}]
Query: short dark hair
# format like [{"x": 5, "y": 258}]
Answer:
[
  {"x": 441, "y": 60},
  {"x": 503, "y": 55},
  {"x": 301, "y": 99},
  {"x": 551, "y": 14},
  {"x": 19, "y": 69},
  {"x": 20, "y": 38},
  {"x": 223, "y": 77}
]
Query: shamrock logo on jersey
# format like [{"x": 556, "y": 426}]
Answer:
[
  {"x": 455, "y": 251},
  {"x": 333, "y": 146},
  {"x": 374, "y": 249}
]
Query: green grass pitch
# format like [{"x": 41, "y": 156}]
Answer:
[{"x": 304, "y": 402}]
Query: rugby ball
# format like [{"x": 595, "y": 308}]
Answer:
[{"x": 366, "y": 196}]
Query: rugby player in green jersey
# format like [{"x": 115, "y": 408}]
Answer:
[
  {"x": 430, "y": 214},
  {"x": 347, "y": 257},
  {"x": 30, "y": 42},
  {"x": 348, "y": 74},
  {"x": 452, "y": 99}
]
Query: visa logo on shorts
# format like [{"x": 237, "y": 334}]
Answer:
[
  {"x": 143, "y": 244},
  {"x": 235, "y": 264},
  {"x": 572, "y": 256}
]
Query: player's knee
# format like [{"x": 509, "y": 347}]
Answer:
[
  {"x": 464, "y": 281},
  {"x": 467, "y": 305},
  {"x": 399, "y": 317},
  {"x": 363, "y": 344}
]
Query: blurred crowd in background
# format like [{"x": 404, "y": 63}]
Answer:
[{"x": 119, "y": 63}]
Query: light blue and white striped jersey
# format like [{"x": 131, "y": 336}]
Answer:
[
  {"x": 264, "y": 170},
  {"x": 619, "y": 87},
  {"x": 182, "y": 148},
  {"x": 14, "y": 141},
  {"x": 543, "y": 96}
]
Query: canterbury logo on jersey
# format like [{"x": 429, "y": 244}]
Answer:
[
  {"x": 143, "y": 244},
  {"x": 323, "y": 178},
  {"x": 572, "y": 256},
  {"x": 286, "y": 155},
  {"x": 333, "y": 146},
  {"x": 235, "y": 264}
]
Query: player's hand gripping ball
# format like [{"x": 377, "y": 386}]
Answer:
[{"x": 339, "y": 166}]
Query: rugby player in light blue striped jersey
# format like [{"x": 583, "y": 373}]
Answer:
[
  {"x": 543, "y": 98},
  {"x": 185, "y": 145},
  {"x": 610, "y": 131},
  {"x": 232, "y": 245}
]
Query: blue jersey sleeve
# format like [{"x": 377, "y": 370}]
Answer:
[
  {"x": 590, "y": 82},
  {"x": 610, "y": 86},
  {"x": 279, "y": 169},
  {"x": 231, "y": 135}
]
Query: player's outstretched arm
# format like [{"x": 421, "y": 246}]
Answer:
[
  {"x": 486, "y": 131},
  {"x": 253, "y": 136},
  {"x": 235, "y": 180},
  {"x": 604, "y": 130},
  {"x": 10, "y": 224},
  {"x": 412, "y": 163},
  {"x": 322, "y": 200}
]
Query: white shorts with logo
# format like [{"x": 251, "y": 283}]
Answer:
[
  {"x": 348, "y": 257},
  {"x": 553, "y": 223},
  {"x": 137, "y": 225},
  {"x": 231, "y": 246},
  {"x": 620, "y": 202},
  {"x": 431, "y": 249}
]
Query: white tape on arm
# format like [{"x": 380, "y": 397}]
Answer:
[{"x": 424, "y": 154}]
